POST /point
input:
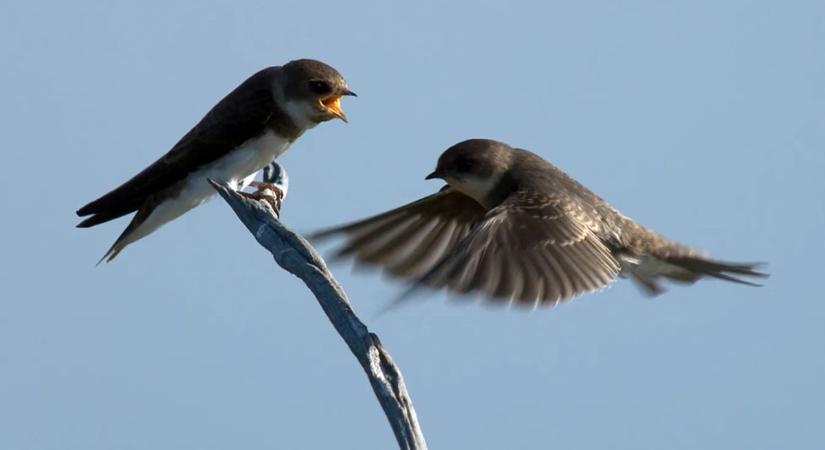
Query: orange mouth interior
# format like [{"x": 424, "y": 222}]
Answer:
[{"x": 333, "y": 105}]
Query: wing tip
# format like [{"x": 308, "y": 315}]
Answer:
[
  {"x": 86, "y": 223},
  {"x": 91, "y": 221},
  {"x": 88, "y": 208}
]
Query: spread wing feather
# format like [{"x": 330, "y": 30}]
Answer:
[
  {"x": 532, "y": 249},
  {"x": 409, "y": 240}
]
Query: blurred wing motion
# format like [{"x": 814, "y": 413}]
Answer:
[
  {"x": 409, "y": 240},
  {"x": 531, "y": 249}
]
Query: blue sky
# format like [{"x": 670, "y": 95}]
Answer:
[{"x": 703, "y": 120}]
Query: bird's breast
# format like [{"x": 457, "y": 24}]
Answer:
[{"x": 238, "y": 167}]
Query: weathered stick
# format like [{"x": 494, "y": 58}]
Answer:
[{"x": 293, "y": 253}]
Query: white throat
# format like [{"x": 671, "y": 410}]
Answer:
[
  {"x": 300, "y": 112},
  {"x": 477, "y": 188}
]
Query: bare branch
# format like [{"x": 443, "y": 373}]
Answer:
[{"x": 293, "y": 253}]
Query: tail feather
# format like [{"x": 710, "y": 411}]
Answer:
[
  {"x": 649, "y": 271},
  {"x": 99, "y": 218},
  {"x": 141, "y": 225},
  {"x": 125, "y": 238},
  {"x": 109, "y": 207},
  {"x": 111, "y": 253},
  {"x": 719, "y": 269}
]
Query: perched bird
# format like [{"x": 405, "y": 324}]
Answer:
[
  {"x": 239, "y": 136},
  {"x": 512, "y": 226}
]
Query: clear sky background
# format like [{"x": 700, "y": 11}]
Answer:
[{"x": 701, "y": 119}]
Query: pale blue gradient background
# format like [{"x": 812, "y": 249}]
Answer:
[{"x": 703, "y": 120}]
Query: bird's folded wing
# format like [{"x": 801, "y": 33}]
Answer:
[
  {"x": 409, "y": 240},
  {"x": 234, "y": 120},
  {"x": 532, "y": 249}
]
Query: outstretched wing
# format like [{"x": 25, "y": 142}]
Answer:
[
  {"x": 238, "y": 117},
  {"x": 533, "y": 249},
  {"x": 409, "y": 240}
]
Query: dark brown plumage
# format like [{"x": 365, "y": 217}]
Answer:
[
  {"x": 240, "y": 115},
  {"x": 262, "y": 116},
  {"x": 510, "y": 225}
]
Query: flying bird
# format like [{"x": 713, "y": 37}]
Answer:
[
  {"x": 243, "y": 133},
  {"x": 511, "y": 226}
]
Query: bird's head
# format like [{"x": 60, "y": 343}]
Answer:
[
  {"x": 312, "y": 92},
  {"x": 474, "y": 167}
]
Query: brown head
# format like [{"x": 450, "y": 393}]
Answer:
[
  {"x": 474, "y": 167},
  {"x": 312, "y": 92}
]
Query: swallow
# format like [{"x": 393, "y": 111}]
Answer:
[
  {"x": 243, "y": 133},
  {"x": 509, "y": 225}
]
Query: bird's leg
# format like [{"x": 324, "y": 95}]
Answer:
[
  {"x": 273, "y": 192},
  {"x": 268, "y": 192},
  {"x": 272, "y": 189}
]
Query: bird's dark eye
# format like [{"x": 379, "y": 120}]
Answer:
[
  {"x": 320, "y": 87},
  {"x": 463, "y": 165}
]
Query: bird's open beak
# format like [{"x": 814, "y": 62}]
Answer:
[
  {"x": 333, "y": 106},
  {"x": 435, "y": 174}
]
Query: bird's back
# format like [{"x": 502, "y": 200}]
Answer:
[{"x": 619, "y": 232}]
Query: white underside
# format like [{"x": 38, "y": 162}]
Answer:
[
  {"x": 647, "y": 270},
  {"x": 647, "y": 266},
  {"x": 477, "y": 188},
  {"x": 238, "y": 169}
]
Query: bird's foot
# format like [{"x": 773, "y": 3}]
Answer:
[{"x": 268, "y": 192}]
